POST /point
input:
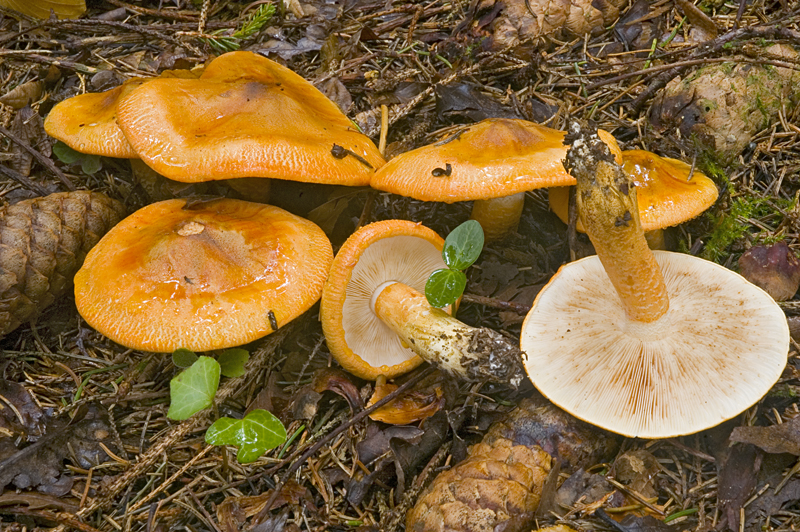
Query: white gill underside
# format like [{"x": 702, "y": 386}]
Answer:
[
  {"x": 718, "y": 350},
  {"x": 404, "y": 259}
]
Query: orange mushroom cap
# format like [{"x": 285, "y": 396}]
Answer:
[
  {"x": 246, "y": 116},
  {"x": 493, "y": 158},
  {"x": 665, "y": 194},
  {"x": 205, "y": 275},
  {"x": 390, "y": 250},
  {"x": 88, "y": 122}
]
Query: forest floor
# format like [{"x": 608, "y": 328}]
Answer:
[{"x": 436, "y": 66}]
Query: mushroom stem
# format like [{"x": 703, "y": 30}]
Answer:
[
  {"x": 607, "y": 203},
  {"x": 499, "y": 217},
  {"x": 467, "y": 352}
]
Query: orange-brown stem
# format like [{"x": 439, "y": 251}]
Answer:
[{"x": 608, "y": 209}]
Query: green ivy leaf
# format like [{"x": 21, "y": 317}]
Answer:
[
  {"x": 90, "y": 164},
  {"x": 183, "y": 358},
  {"x": 193, "y": 389},
  {"x": 463, "y": 245},
  {"x": 65, "y": 154},
  {"x": 258, "y": 432},
  {"x": 444, "y": 287},
  {"x": 232, "y": 361}
]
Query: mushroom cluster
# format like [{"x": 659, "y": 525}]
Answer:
[{"x": 242, "y": 116}]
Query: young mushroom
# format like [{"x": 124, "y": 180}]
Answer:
[
  {"x": 672, "y": 345},
  {"x": 377, "y": 321},
  {"x": 201, "y": 275},
  {"x": 245, "y": 116},
  {"x": 668, "y": 191}
]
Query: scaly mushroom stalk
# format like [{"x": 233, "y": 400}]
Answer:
[
  {"x": 606, "y": 199},
  {"x": 467, "y": 352}
]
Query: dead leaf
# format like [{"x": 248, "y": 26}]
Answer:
[
  {"x": 783, "y": 438},
  {"x": 775, "y": 268},
  {"x": 19, "y": 408},
  {"x": 583, "y": 488},
  {"x": 24, "y": 94},
  {"x": 40, "y": 465},
  {"x": 410, "y": 407},
  {"x": 464, "y": 99},
  {"x": 637, "y": 470},
  {"x": 327, "y": 214},
  {"x": 29, "y": 128},
  {"x": 337, "y": 381},
  {"x": 37, "y": 501},
  {"x": 702, "y": 27},
  {"x": 737, "y": 477},
  {"x": 41, "y": 8}
]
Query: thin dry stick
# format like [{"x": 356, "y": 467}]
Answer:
[
  {"x": 45, "y": 161},
  {"x": 384, "y": 128}
]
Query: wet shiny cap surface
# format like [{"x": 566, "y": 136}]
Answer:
[{"x": 203, "y": 275}]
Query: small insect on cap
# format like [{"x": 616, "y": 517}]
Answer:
[{"x": 246, "y": 116}]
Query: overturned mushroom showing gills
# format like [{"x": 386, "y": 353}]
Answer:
[
  {"x": 202, "y": 275},
  {"x": 377, "y": 320},
  {"x": 43, "y": 242},
  {"x": 668, "y": 192},
  {"x": 246, "y": 116},
  {"x": 647, "y": 344}
]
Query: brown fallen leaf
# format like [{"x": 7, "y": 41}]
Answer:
[
  {"x": 41, "y": 8},
  {"x": 783, "y": 438},
  {"x": 22, "y": 95},
  {"x": 410, "y": 407},
  {"x": 19, "y": 409},
  {"x": 774, "y": 268}
]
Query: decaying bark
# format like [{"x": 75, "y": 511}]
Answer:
[
  {"x": 43, "y": 242},
  {"x": 723, "y": 106},
  {"x": 499, "y": 485}
]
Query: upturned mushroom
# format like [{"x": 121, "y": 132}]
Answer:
[
  {"x": 668, "y": 191},
  {"x": 201, "y": 275},
  {"x": 641, "y": 343},
  {"x": 493, "y": 162},
  {"x": 245, "y": 116},
  {"x": 377, "y": 321}
]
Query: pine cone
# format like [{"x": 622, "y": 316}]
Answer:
[
  {"x": 43, "y": 242},
  {"x": 499, "y": 485}
]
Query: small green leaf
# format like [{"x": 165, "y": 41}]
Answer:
[
  {"x": 444, "y": 287},
  {"x": 224, "y": 431},
  {"x": 258, "y": 432},
  {"x": 90, "y": 164},
  {"x": 463, "y": 245},
  {"x": 232, "y": 361},
  {"x": 193, "y": 389},
  {"x": 183, "y": 358},
  {"x": 65, "y": 154}
]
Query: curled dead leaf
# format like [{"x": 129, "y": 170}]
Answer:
[
  {"x": 408, "y": 408},
  {"x": 22, "y": 95}
]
